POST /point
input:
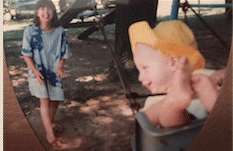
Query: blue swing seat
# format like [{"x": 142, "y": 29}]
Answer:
[{"x": 153, "y": 138}]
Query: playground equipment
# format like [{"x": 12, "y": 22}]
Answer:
[
  {"x": 176, "y": 5},
  {"x": 77, "y": 8},
  {"x": 185, "y": 6},
  {"x": 152, "y": 138}
]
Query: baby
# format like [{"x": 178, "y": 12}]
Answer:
[{"x": 168, "y": 61}]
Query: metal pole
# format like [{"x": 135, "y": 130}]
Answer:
[
  {"x": 208, "y": 27},
  {"x": 199, "y": 6},
  {"x": 175, "y": 9}
]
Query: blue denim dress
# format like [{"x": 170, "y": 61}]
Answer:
[{"x": 46, "y": 50}]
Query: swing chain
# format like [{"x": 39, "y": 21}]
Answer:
[
  {"x": 134, "y": 105},
  {"x": 184, "y": 6}
]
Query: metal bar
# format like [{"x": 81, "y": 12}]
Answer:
[
  {"x": 211, "y": 5},
  {"x": 137, "y": 136},
  {"x": 175, "y": 9},
  {"x": 199, "y": 11},
  {"x": 108, "y": 19},
  {"x": 80, "y": 24},
  {"x": 137, "y": 96},
  {"x": 176, "y": 5}
]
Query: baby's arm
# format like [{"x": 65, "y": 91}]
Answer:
[
  {"x": 171, "y": 111},
  {"x": 167, "y": 114},
  {"x": 31, "y": 65},
  {"x": 218, "y": 77},
  {"x": 152, "y": 113},
  {"x": 205, "y": 89},
  {"x": 59, "y": 72}
]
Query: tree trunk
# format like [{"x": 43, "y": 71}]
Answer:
[
  {"x": 229, "y": 10},
  {"x": 136, "y": 10}
]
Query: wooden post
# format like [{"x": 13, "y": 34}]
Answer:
[{"x": 229, "y": 10}]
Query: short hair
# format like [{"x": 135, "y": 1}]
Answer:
[{"x": 43, "y": 3}]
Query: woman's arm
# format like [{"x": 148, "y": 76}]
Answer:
[
  {"x": 31, "y": 65},
  {"x": 59, "y": 71}
]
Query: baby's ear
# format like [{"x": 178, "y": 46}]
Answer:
[{"x": 172, "y": 63}]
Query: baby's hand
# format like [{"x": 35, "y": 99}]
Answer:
[
  {"x": 181, "y": 86},
  {"x": 218, "y": 77},
  {"x": 60, "y": 73},
  {"x": 205, "y": 89}
]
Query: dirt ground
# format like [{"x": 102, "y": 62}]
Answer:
[{"x": 95, "y": 113}]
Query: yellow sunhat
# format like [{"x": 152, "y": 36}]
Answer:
[{"x": 171, "y": 38}]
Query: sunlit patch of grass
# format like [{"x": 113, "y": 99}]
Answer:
[
  {"x": 21, "y": 21},
  {"x": 13, "y": 35}
]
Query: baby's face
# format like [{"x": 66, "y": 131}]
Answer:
[{"x": 153, "y": 67}]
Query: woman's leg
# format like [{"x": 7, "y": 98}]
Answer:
[
  {"x": 45, "y": 112},
  {"x": 53, "y": 109}
]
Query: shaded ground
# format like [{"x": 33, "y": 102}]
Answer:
[{"x": 95, "y": 114}]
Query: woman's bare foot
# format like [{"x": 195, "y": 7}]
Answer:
[{"x": 53, "y": 141}]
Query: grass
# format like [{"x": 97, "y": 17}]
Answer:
[
  {"x": 13, "y": 35},
  {"x": 17, "y": 35}
]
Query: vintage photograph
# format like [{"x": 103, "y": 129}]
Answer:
[{"x": 115, "y": 75}]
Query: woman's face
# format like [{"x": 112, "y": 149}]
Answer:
[{"x": 45, "y": 14}]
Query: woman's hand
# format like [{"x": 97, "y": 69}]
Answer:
[
  {"x": 37, "y": 73},
  {"x": 181, "y": 86},
  {"x": 60, "y": 73},
  {"x": 39, "y": 77}
]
